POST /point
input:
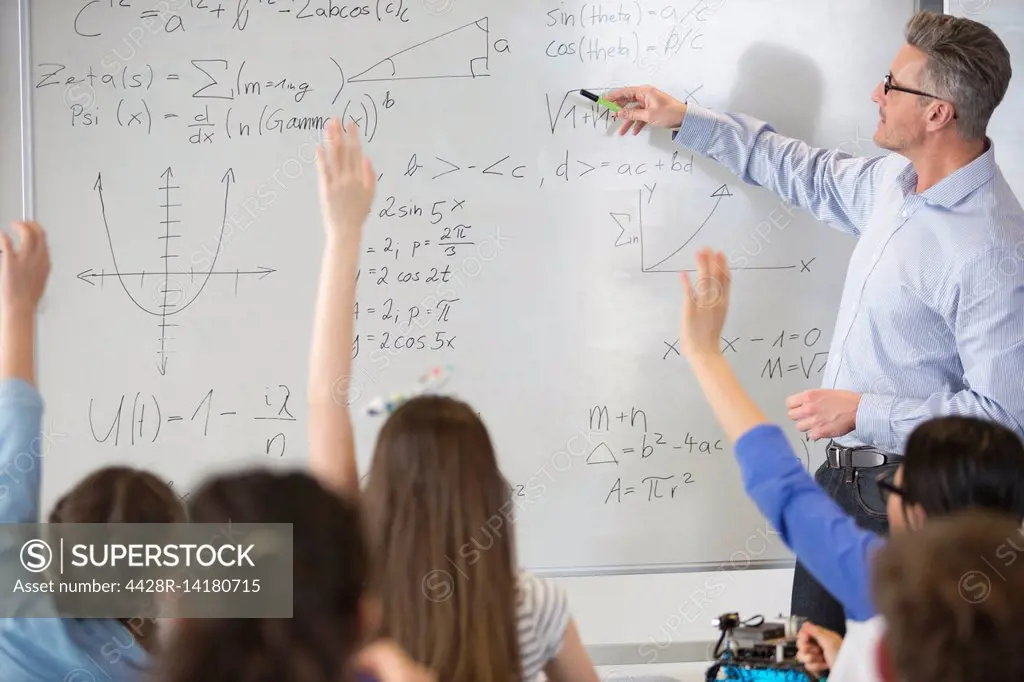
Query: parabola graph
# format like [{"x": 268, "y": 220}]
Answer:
[{"x": 169, "y": 298}]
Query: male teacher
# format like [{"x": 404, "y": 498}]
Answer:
[{"x": 931, "y": 320}]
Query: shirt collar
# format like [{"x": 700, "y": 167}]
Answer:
[{"x": 956, "y": 186}]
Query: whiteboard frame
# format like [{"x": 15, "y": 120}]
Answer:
[
  {"x": 28, "y": 209},
  {"x": 25, "y": 60}
]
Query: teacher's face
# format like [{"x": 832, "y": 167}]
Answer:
[{"x": 901, "y": 116}]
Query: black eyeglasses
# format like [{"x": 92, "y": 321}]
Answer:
[
  {"x": 888, "y": 85},
  {"x": 887, "y": 487}
]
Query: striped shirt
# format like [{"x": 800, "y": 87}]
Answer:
[
  {"x": 542, "y": 611},
  {"x": 931, "y": 319}
]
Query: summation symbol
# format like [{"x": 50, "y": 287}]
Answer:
[{"x": 171, "y": 280}]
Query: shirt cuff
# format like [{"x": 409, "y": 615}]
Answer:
[
  {"x": 697, "y": 130},
  {"x": 874, "y": 419}
]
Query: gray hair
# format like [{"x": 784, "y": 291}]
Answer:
[{"x": 967, "y": 64}]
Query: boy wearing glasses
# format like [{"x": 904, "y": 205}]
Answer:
[{"x": 931, "y": 320}]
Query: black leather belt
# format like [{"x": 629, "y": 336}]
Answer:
[{"x": 840, "y": 457}]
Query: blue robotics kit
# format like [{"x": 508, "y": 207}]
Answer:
[{"x": 757, "y": 651}]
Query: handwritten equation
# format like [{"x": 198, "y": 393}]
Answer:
[
  {"x": 141, "y": 419},
  {"x": 217, "y": 98},
  {"x": 628, "y": 22},
  {"x": 640, "y": 443},
  {"x": 567, "y": 167},
  {"x": 809, "y": 353},
  {"x": 414, "y": 281},
  {"x": 175, "y": 16},
  {"x": 211, "y": 99},
  {"x": 629, "y": 13},
  {"x": 626, "y": 437},
  {"x": 651, "y": 488}
]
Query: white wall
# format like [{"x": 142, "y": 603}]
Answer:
[{"x": 1006, "y": 18}]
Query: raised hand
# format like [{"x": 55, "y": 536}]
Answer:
[
  {"x": 23, "y": 271},
  {"x": 347, "y": 181},
  {"x": 23, "y": 274},
  {"x": 705, "y": 305}
]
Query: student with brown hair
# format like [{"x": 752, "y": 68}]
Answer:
[
  {"x": 40, "y": 648},
  {"x": 952, "y": 596},
  {"x": 451, "y": 592}
]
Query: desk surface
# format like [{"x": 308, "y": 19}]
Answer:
[{"x": 667, "y": 672}]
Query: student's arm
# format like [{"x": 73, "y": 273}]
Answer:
[
  {"x": 838, "y": 188},
  {"x": 23, "y": 274},
  {"x": 347, "y": 184},
  {"x": 824, "y": 538},
  {"x": 554, "y": 637},
  {"x": 572, "y": 663}
]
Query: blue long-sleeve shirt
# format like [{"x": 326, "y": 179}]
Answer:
[
  {"x": 39, "y": 647},
  {"x": 826, "y": 540},
  {"x": 931, "y": 320}
]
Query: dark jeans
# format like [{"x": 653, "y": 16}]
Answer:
[{"x": 857, "y": 493}]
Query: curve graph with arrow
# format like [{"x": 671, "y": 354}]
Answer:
[
  {"x": 632, "y": 229},
  {"x": 170, "y": 298}
]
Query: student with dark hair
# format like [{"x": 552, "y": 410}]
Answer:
[
  {"x": 952, "y": 596},
  {"x": 333, "y": 614},
  {"x": 41, "y": 648},
  {"x": 434, "y": 492},
  {"x": 119, "y": 494},
  {"x": 950, "y": 464}
]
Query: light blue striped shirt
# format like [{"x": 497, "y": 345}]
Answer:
[{"x": 931, "y": 320}]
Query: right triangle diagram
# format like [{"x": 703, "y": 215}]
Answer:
[{"x": 462, "y": 52}]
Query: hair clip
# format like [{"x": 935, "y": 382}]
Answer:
[{"x": 428, "y": 383}]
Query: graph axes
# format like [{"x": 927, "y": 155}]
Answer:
[
  {"x": 227, "y": 180},
  {"x": 88, "y": 276},
  {"x": 718, "y": 195},
  {"x": 167, "y": 187}
]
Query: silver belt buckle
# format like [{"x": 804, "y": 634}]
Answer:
[{"x": 863, "y": 459}]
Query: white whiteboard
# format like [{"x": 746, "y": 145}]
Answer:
[{"x": 555, "y": 245}]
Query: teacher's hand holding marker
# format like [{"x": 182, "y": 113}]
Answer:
[{"x": 640, "y": 105}]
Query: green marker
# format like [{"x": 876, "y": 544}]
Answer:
[{"x": 608, "y": 104}]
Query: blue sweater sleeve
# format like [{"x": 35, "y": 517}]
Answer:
[
  {"x": 826, "y": 540},
  {"x": 21, "y": 451}
]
